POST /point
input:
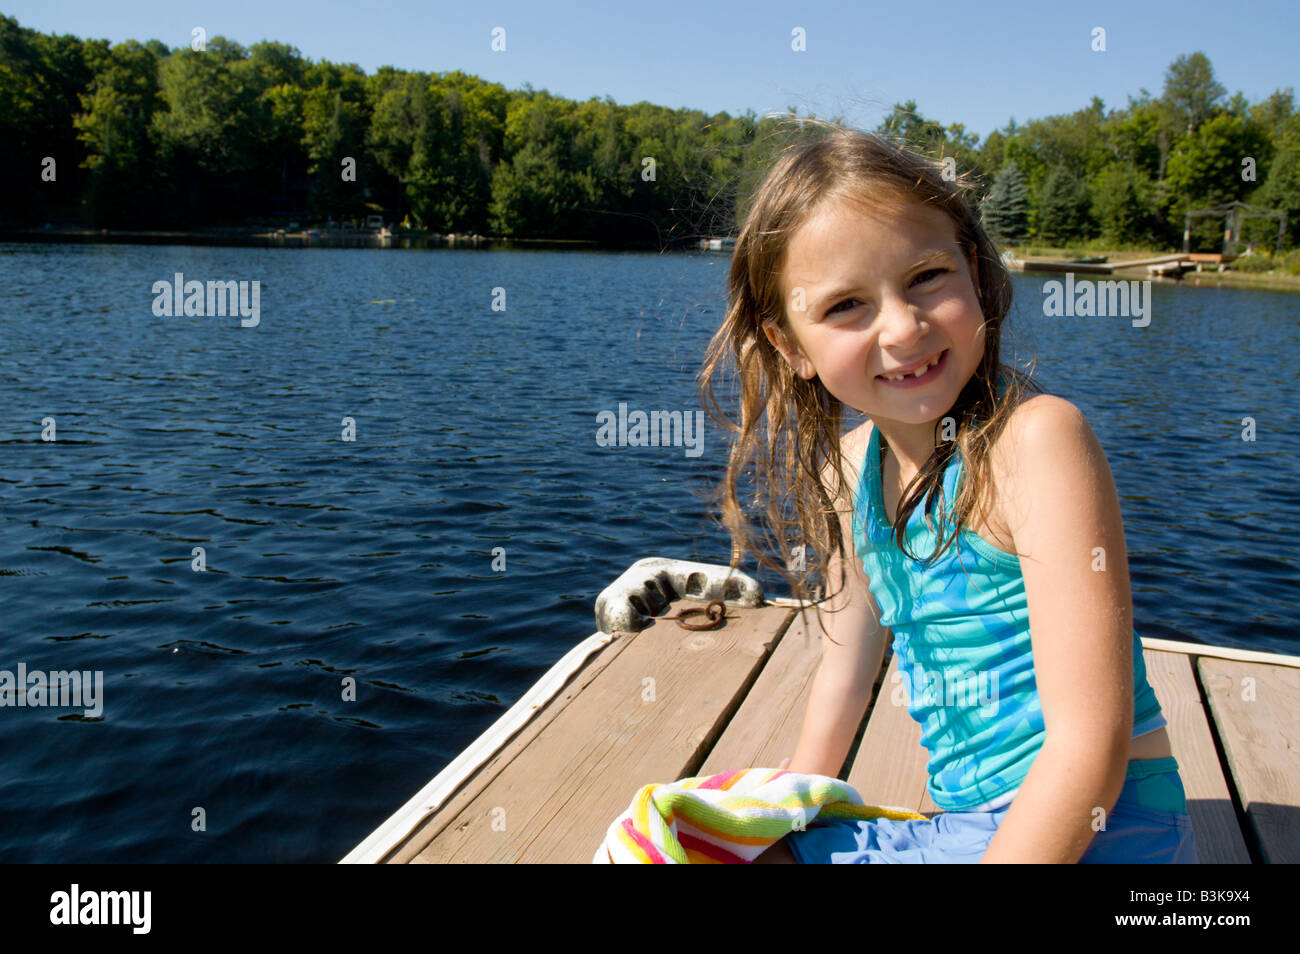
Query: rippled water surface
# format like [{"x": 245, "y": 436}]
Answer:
[{"x": 372, "y": 559}]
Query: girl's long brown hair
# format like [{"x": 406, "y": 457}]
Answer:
[{"x": 789, "y": 427}]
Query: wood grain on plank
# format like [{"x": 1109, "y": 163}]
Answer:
[
  {"x": 409, "y": 848},
  {"x": 766, "y": 728},
  {"x": 890, "y": 766},
  {"x": 650, "y": 716},
  {"x": 1209, "y": 802},
  {"x": 1254, "y": 707}
]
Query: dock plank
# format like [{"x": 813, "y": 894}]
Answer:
[
  {"x": 1254, "y": 706},
  {"x": 766, "y": 728},
  {"x": 893, "y": 740},
  {"x": 1209, "y": 801},
  {"x": 408, "y": 849},
  {"x": 890, "y": 766},
  {"x": 651, "y": 715},
  {"x": 668, "y": 703}
]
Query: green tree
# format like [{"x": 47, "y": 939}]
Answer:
[
  {"x": 335, "y": 121},
  {"x": 1141, "y": 134},
  {"x": 118, "y": 109},
  {"x": 1191, "y": 89},
  {"x": 400, "y": 115},
  {"x": 1006, "y": 209},
  {"x": 1281, "y": 188},
  {"x": 1274, "y": 113},
  {"x": 1119, "y": 196},
  {"x": 451, "y": 170},
  {"x": 906, "y": 126},
  {"x": 1207, "y": 169},
  {"x": 534, "y": 192},
  {"x": 41, "y": 81},
  {"x": 212, "y": 135},
  {"x": 1062, "y": 209}
]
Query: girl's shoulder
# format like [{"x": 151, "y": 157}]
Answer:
[
  {"x": 1035, "y": 417},
  {"x": 1042, "y": 435},
  {"x": 1041, "y": 428},
  {"x": 1039, "y": 423}
]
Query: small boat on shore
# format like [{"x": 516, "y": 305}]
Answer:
[{"x": 669, "y": 688}]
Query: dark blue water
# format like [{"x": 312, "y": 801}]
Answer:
[{"x": 372, "y": 559}]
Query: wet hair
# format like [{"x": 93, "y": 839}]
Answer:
[{"x": 789, "y": 429}]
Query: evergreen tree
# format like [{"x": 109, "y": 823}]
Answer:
[
  {"x": 1062, "y": 208},
  {"x": 1006, "y": 210}
]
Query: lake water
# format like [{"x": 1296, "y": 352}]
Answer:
[{"x": 372, "y": 559}]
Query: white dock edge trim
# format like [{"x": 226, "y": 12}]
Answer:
[
  {"x": 430, "y": 798},
  {"x": 1221, "y": 652},
  {"x": 1160, "y": 645}
]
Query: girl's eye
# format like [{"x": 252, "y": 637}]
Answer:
[{"x": 930, "y": 274}]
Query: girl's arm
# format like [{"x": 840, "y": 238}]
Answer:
[
  {"x": 849, "y": 665},
  {"x": 1060, "y": 504}
]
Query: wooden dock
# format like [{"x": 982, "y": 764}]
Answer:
[
  {"x": 667, "y": 703},
  {"x": 1174, "y": 263}
]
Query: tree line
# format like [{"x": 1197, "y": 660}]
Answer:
[{"x": 139, "y": 135}]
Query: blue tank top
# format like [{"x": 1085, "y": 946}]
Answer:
[{"x": 961, "y": 634}]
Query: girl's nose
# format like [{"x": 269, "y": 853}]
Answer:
[{"x": 901, "y": 324}]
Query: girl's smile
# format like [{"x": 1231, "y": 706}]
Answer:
[{"x": 917, "y": 373}]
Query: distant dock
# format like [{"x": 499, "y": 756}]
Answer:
[{"x": 1166, "y": 266}]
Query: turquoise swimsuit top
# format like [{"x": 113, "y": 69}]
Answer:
[{"x": 961, "y": 634}]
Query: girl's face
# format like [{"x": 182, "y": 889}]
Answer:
[{"x": 871, "y": 296}]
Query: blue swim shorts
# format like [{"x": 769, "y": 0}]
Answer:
[{"x": 1148, "y": 825}]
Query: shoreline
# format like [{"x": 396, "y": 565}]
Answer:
[
  {"x": 1210, "y": 277},
  {"x": 265, "y": 236}
]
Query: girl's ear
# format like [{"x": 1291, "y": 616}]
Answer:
[{"x": 792, "y": 354}]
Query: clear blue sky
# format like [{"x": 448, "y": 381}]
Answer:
[{"x": 1013, "y": 59}]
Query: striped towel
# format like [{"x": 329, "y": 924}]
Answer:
[{"x": 728, "y": 818}]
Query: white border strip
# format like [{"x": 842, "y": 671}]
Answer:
[{"x": 428, "y": 799}]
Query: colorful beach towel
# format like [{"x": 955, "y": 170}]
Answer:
[{"x": 728, "y": 818}]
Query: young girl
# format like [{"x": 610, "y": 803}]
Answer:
[{"x": 985, "y": 526}]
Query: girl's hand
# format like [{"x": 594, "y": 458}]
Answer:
[{"x": 784, "y": 762}]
